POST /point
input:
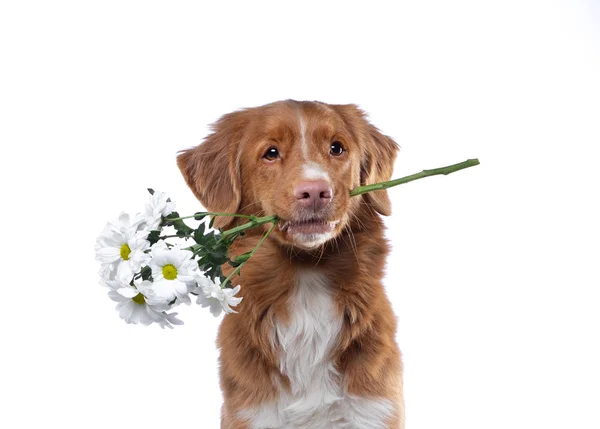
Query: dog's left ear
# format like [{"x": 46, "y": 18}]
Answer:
[{"x": 378, "y": 153}]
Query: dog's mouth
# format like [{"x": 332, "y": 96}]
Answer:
[{"x": 311, "y": 226}]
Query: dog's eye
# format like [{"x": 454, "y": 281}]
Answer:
[
  {"x": 336, "y": 148},
  {"x": 271, "y": 153}
]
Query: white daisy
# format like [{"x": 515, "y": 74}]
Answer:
[
  {"x": 129, "y": 290},
  {"x": 133, "y": 306},
  {"x": 158, "y": 206},
  {"x": 174, "y": 272},
  {"x": 212, "y": 295},
  {"x": 120, "y": 248}
]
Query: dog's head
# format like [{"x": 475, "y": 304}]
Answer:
[{"x": 296, "y": 160}]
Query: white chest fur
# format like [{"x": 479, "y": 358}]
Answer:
[{"x": 317, "y": 398}]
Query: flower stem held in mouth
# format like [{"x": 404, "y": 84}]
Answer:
[
  {"x": 200, "y": 215},
  {"x": 255, "y": 221}
]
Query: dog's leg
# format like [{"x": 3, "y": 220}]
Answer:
[
  {"x": 371, "y": 367},
  {"x": 375, "y": 386}
]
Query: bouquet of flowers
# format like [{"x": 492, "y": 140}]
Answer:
[{"x": 148, "y": 274}]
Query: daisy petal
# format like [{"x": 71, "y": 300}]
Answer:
[{"x": 127, "y": 292}]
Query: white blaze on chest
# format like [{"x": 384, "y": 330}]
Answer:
[
  {"x": 307, "y": 340},
  {"x": 317, "y": 398}
]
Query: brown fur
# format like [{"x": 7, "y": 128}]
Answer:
[{"x": 228, "y": 174}]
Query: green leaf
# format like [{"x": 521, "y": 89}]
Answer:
[
  {"x": 146, "y": 273},
  {"x": 151, "y": 191},
  {"x": 153, "y": 237},
  {"x": 199, "y": 233}
]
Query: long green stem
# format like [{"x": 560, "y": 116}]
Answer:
[
  {"x": 425, "y": 173},
  {"x": 256, "y": 221},
  {"x": 239, "y": 267},
  {"x": 210, "y": 214}
]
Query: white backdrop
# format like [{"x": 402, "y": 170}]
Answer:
[{"x": 494, "y": 271}]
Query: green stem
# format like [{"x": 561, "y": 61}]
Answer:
[
  {"x": 209, "y": 214},
  {"x": 256, "y": 221},
  {"x": 163, "y": 237},
  {"x": 425, "y": 173},
  {"x": 239, "y": 267}
]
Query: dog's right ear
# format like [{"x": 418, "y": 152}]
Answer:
[{"x": 210, "y": 169}]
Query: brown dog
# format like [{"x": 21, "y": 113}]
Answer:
[{"x": 313, "y": 344}]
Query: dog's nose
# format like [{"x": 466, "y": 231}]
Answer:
[{"x": 314, "y": 194}]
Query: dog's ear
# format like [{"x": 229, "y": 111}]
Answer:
[
  {"x": 378, "y": 153},
  {"x": 211, "y": 170}
]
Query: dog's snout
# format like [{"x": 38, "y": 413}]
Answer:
[{"x": 314, "y": 194}]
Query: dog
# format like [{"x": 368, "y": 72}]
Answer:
[{"x": 313, "y": 345}]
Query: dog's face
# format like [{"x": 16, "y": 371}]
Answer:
[{"x": 296, "y": 160}]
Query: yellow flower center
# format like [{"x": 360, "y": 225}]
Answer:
[
  {"x": 169, "y": 272},
  {"x": 139, "y": 299},
  {"x": 125, "y": 251}
]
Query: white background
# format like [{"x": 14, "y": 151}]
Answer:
[{"x": 494, "y": 271}]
